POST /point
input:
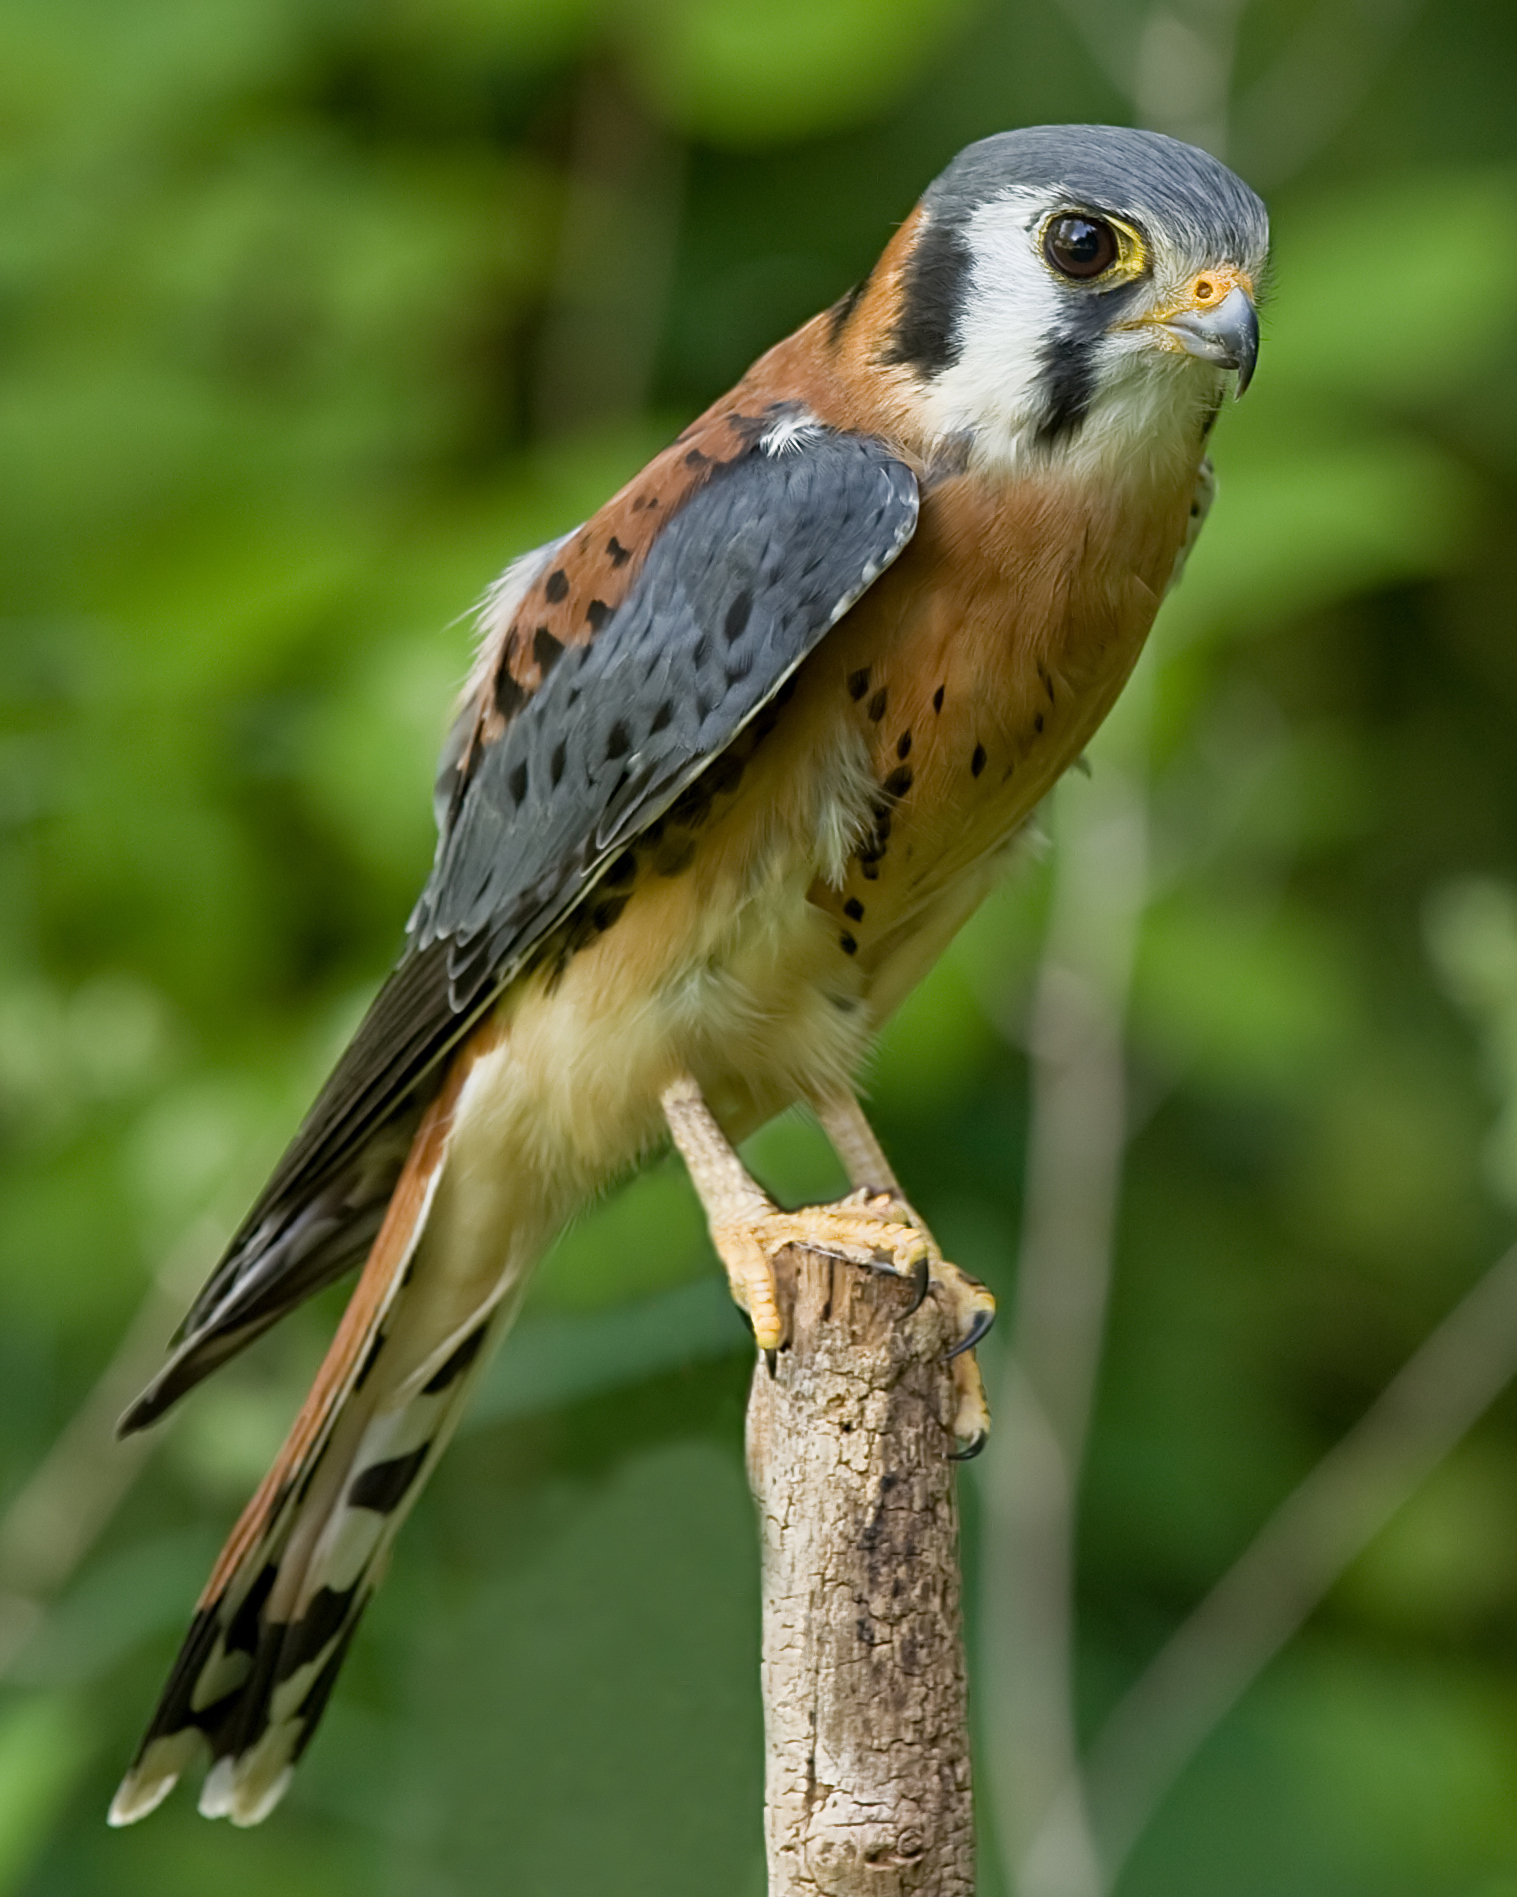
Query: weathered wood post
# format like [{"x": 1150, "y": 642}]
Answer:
[{"x": 865, "y": 1704}]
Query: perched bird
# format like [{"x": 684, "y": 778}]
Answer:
[{"x": 736, "y": 759}]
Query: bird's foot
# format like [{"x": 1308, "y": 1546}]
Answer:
[
  {"x": 880, "y": 1231},
  {"x": 863, "y": 1229},
  {"x": 971, "y": 1310}
]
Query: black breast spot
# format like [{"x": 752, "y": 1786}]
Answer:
[
  {"x": 596, "y": 614},
  {"x": 604, "y": 914},
  {"x": 899, "y": 781},
  {"x": 977, "y": 762},
  {"x": 620, "y": 555},
  {"x": 937, "y": 699},
  {"x": 1037, "y": 723},
  {"x": 853, "y": 909},
  {"x": 557, "y": 586},
  {"x": 877, "y": 704},
  {"x": 847, "y": 944},
  {"x": 903, "y": 745},
  {"x": 858, "y": 682}
]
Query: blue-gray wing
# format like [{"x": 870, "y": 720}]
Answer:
[
  {"x": 735, "y": 592},
  {"x": 736, "y": 589}
]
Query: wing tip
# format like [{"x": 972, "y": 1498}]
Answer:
[
  {"x": 243, "y": 1789},
  {"x": 156, "y": 1772}
]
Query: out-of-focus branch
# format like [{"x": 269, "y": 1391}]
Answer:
[
  {"x": 64, "y": 1505},
  {"x": 1074, "y": 1169},
  {"x": 867, "y": 1786},
  {"x": 1321, "y": 1527}
]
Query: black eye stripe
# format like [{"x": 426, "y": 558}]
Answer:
[{"x": 1079, "y": 246}]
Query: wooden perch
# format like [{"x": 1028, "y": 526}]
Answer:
[{"x": 867, "y": 1742}]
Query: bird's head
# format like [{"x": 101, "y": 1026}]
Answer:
[{"x": 1072, "y": 293}]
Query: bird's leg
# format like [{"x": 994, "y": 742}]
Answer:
[
  {"x": 748, "y": 1228},
  {"x": 970, "y": 1307}
]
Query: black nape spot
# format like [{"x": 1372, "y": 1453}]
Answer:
[
  {"x": 1037, "y": 723},
  {"x": 937, "y": 699},
  {"x": 662, "y": 717},
  {"x": 383, "y": 1485},
  {"x": 557, "y": 587},
  {"x": 870, "y": 869},
  {"x": 858, "y": 682},
  {"x": 737, "y": 617},
  {"x": 546, "y": 650},
  {"x": 597, "y": 613},
  {"x": 605, "y": 913},
  {"x": 509, "y": 696},
  {"x": 935, "y": 276},
  {"x": 847, "y": 944},
  {"x": 516, "y": 783},
  {"x": 623, "y": 869},
  {"x": 556, "y": 764},
  {"x": 620, "y": 555},
  {"x": 618, "y": 740},
  {"x": 977, "y": 762},
  {"x": 1048, "y": 687},
  {"x": 903, "y": 745},
  {"x": 853, "y": 909},
  {"x": 695, "y": 459},
  {"x": 899, "y": 781},
  {"x": 877, "y": 704},
  {"x": 454, "y": 1366}
]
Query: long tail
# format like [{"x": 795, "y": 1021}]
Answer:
[{"x": 275, "y": 1620}]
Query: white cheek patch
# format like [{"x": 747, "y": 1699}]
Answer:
[{"x": 994, "y": 388}]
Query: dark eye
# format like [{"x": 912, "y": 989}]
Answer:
[{"x": 1080, "y": 246}]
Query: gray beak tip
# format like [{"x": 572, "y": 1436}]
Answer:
[{"x": 1227, "y": 336}]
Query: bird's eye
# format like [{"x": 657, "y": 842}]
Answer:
[{"x": 1080, "y": 246}]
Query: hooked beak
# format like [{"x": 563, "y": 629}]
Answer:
[{"x": 1226, "y": 333}]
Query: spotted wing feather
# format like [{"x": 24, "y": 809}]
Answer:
[{"x": 572, "y": 747}]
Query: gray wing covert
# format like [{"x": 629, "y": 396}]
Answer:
[
  {"x": 739, "y": 586},
  {"x": 735, "y": 592}
]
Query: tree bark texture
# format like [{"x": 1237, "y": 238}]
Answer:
[{"x": 865, "y": 1701}]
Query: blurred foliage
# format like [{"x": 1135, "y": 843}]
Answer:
[{"x": 293, "y": 309}]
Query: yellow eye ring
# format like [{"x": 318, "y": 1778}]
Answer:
[{"x": 1092, "y": 247}]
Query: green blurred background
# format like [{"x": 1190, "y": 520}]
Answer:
[{"x": 312, "y": 314}]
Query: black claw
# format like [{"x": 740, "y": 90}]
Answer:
[
  {"x": 771, "y": 1357},
  {"x": 972, "y": 1448},
  {"x": 920, "y": 1277},
  {"x": 978, "y": 1329}
]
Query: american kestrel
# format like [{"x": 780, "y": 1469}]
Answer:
[{"x": 736, "y": 759}]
